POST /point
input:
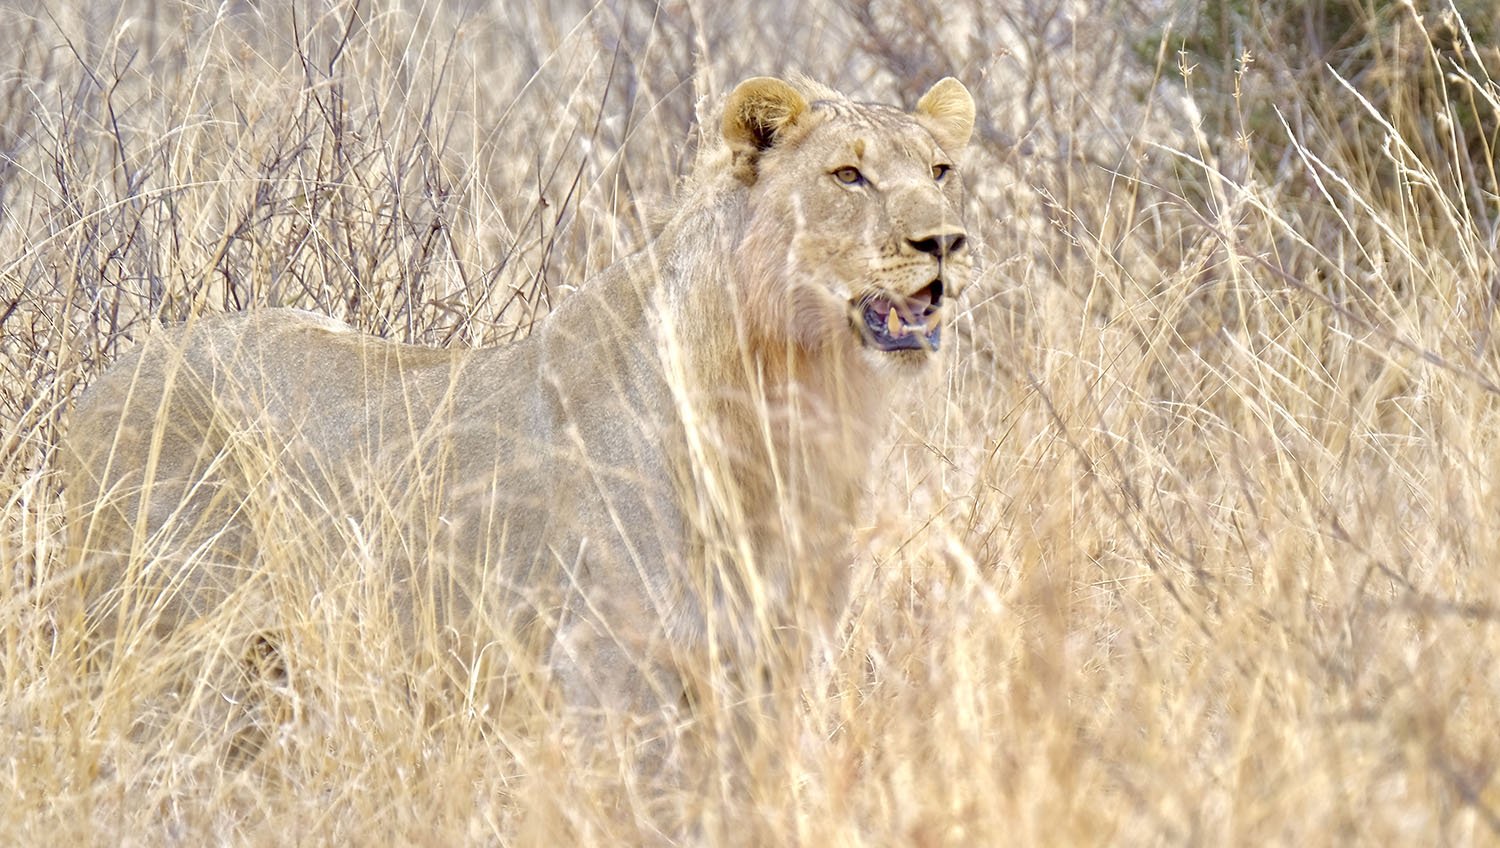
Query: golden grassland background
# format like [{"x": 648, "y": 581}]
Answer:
[{"x": 1194, "y": 538}]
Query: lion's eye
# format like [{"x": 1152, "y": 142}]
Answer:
[
  {"x": 849, "y": 175},
  {"x": 940, "y": 171}
]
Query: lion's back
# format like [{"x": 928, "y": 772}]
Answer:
[
  {"x": 169, "y": 444},
  {"x": 166, "y": 396}
]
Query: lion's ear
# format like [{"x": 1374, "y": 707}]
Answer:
[
  {"x": 758, "y": 111},
  {"x": 947, "y": 111}
]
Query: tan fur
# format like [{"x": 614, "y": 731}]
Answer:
[{"x": 667, "y": 469}]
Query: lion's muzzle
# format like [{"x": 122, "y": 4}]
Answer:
[{"x": 894, "y": 322}]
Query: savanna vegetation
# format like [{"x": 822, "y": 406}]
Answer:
[{"x": 1192, "y": 538}]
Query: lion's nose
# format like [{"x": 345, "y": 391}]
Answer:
[{"x": 940, "y": 245}]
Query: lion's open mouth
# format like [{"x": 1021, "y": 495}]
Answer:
[{"x": 892, "y": 322}]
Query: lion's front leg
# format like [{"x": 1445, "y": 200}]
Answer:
[
  {"x": 623, "y": 713},
  {"x": 613, "y": 668}
]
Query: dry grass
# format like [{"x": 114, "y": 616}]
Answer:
[{"x": 1191, "y": 541}]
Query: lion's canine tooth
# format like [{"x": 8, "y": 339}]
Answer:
[
  {"x": 933, "y": 321},
  {"x": 893, "y": 321}
]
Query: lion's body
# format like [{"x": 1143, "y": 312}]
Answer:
[{"x": 674, "y": 457}]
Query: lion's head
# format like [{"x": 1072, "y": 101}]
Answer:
[{"x": 855, "y": 235}]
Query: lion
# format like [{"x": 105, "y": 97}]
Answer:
[{"x": 669, "y": 468}]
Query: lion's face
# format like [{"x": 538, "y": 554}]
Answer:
[{"x": 856, "y": 236}]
